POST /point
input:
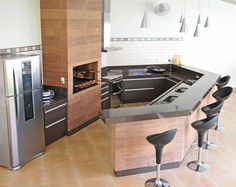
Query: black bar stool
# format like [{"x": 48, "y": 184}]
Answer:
[
  {"x": 201, "y": 126},
  {"x": 223, "y": 81},
  {"x": 159, "y": 141},
  {"x": 211, "y": 110},
  {"x": 221, "y": 95}
]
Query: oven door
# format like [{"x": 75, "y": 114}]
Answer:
[{"x": 117, "y": 93}]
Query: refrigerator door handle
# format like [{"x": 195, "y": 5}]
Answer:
[
  {"x": 17, "y": 106},
  {"x": 16, "y": 86}
]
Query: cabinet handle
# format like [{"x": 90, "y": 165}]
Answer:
[
  {"x": 138, "y": 89},
  {"x": 104, "y": 93},
  {"x": 105, "y": 99},
  {"x": 105, "y": 87},
  {"x": 143, "y": 79},
  {"x": 52, "y": 124},
  {"x": 50, "y": 110}
]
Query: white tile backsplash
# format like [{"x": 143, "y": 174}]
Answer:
[{"x": 138, "y": 51}]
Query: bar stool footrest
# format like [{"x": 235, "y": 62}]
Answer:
[
  {"x": 209, "y": 146},
  {"x": 152, "y": 183},
  {"x": 196, "y": 166},
  {"x": 219, "y": 128}
]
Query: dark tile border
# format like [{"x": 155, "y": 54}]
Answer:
[{"x": 20, "y": 49}]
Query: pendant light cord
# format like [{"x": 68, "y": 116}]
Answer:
[
  {"x": 199, "y": 5},
  {"x": 208, "y": 7},
  {"x": 185, "y": 2}
]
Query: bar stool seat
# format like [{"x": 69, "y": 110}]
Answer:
[
  {"x": 201, "y": 126},
  {"x": 211, "y": 110},
  {"x": 221, "y": 95},
  {"x": 159, "y": 141},
  {"x": 223, "y": 81}
]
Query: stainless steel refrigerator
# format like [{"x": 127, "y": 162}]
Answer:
[{"x": 21, "y": 119}]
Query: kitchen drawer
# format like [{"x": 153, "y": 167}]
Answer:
[
  {"x": 105, "y": 89},
  {"x": 106, "y": 103},
  {"x": 138, "y": 95},
  {"x": 139, "y": 83},
  {"x": 55, "y": 114},
  {"x": 105, "y": 95},
  {"x": 55, "y": 130}
]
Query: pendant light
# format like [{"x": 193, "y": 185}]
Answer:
[
  {"x": 183, "y": 27},
  {"x": 199, "y": 20},
  {"x": 181, "y": 18},
  {"x": 196, "y": 32},
  {"x": 206, "y": 25},
  {"x": 145, "y": 21}
]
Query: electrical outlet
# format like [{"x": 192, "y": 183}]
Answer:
[{"x": 63, "y": 80}]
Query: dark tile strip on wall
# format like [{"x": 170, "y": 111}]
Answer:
[{"x": 20, "y": 49}]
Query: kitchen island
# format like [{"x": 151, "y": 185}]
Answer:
[{"x": 177, "y": 106}]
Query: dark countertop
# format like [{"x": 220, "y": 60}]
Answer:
[
  {"x": 184, "y": 105},
  {"x": 59, "y": 99}
]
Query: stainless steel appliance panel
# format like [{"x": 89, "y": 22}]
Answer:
[
  {"x": 27, "y": 135},
  {"x": 22, "y": 128},
  {"x": 4, "y": 141},
  {"x": 16, "y": 71}
]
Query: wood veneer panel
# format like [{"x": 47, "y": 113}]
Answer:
[
  {"x": 83, "y": 106},
  {"x": 71, "y": 36},
  {"x": 54, "y": 41},
  {"x": 131, "y": 150}
]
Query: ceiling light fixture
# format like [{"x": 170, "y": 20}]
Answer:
[
  {"x": 145, "y": 22},
  {"x": 183, "y": 27},
  {"x": 196, "y": 32},
  {"x": 206, "y": 25},
  {"x": 199, "y": 21}
]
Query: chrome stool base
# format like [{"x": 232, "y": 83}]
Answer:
[
  {"x": 198, "y": 166},
  {"x": 219, "y": 128},
  {"x": 161, "y": 183},
  {"x": 209, "y": 146}
]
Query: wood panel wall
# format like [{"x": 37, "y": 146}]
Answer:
[
  {"x": 130, "y": 150},
  {"x": 54, "y": 41},
  {"x": 71, "y": 36}
]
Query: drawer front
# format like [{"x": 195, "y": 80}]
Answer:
[
  {"x": 55, "y": 131},
  {"x": 105, "y": 88},
  {"x": 106, "y": 103},
  {"x": 105, "y": 95},
  {"x": 55, "y": 114},
  {"x": 138, "y": 83},
  {"x": 139, "y": 96}
]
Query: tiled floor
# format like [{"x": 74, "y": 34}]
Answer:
[{"x": 83, "y": 160}]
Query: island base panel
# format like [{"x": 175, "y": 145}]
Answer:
[{"x": 131, "y": 151}]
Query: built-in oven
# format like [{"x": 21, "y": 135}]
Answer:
[{"x": 116, "y": 89}]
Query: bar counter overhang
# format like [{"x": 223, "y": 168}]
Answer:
[{"x": 131, "y": 153}]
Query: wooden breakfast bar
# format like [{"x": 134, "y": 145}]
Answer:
[{"x": 131, "y": 153}]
